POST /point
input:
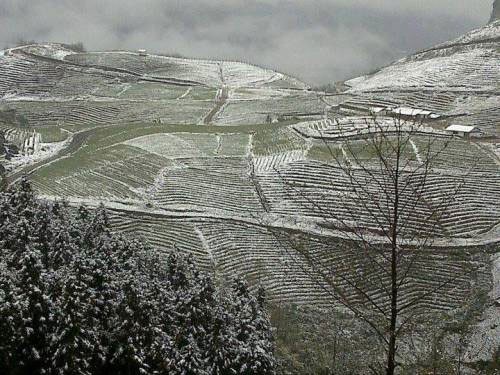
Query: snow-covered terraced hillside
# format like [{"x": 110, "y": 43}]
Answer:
[
  {"x": 119, "y": 173},
  {"x": 235, "y": 248},
  {"x": 457, "y": 80},
  {"x": 206, "y": 72},
  {"x": 193, "y": 145},
  {"x": 357, "y": 127},
  {"x": 315, "y": 189},
  {"x": 303, "y": 104},
  {"x": 203, "y": 154},
  {"x": 82, "y": 112},
  {"x": 209, "y": 183},
  {"x": 24, "y": 76},
  {"x": 466, "y": 70},
  {"x": 114, "y": 87}
]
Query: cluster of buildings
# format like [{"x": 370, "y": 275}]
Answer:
[{"x": 410, "y": 114}]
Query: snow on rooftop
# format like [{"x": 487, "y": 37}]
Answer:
[
  {"x": 462, "y": 128},
  {"x": 377, "y": 109},
  {"x": 408, "y": 111}
]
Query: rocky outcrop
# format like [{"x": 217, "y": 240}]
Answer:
[{"x": 495, "y": 14}]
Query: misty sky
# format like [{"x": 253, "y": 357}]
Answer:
[{"x": 316, "y": 40}]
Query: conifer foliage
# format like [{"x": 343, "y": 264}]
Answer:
[{"x": 77, "y": 299}]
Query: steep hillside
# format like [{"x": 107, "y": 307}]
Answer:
[
  {"x": 458, "y": 81},
  {"x": 49, "y": 84}
]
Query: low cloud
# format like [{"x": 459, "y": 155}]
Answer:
[{"x": 319, "y": 41}]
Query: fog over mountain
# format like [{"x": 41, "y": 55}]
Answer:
[{"x": 320, "y": 41}]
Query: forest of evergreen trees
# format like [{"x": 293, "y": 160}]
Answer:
[{"x": 77, "y": 299}]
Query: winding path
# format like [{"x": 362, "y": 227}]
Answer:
[{"x": 220, "y": 100}]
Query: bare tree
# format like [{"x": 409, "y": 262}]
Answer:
[{"x": 380, "y": 204}]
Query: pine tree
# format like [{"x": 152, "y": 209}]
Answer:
[{"x": 77, "y": 299}]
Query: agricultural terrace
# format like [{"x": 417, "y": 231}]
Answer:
[
  {"x": 172, "y": 148},
  {"x": 266, "y": 169}
]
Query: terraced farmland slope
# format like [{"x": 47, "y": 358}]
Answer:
[
  {"x": 456, "y": 80},
  {"x": 205, "y": 155}
]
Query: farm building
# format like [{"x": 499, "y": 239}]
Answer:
[
  {"x": 379, "y": 111},
  {"x": 463, "y": 131},
  {"x": 411, "y": 113}
]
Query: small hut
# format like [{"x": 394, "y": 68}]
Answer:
[{"x": 464, "y": 131}]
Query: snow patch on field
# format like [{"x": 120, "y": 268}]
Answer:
[
  {"x": 61, "y": 54},
  {"x": 46, "y": 151},
  {"x": 126, "y": 86},
  {"x": 149, "y": 192},
  {"x": 415, "y": 150},
  {"x": 206, "y": 246}
]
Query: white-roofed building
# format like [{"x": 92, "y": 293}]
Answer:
[
  {"x": 464, "y": 131},
  {"x": 407, "y": 112},
  {"x": 378, "y": 110}
]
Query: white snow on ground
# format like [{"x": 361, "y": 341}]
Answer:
[
  {"x": 355, "y": 126},
  {"x": 149, "y": 192},
  {"x": 206, "y": 245},
  {"x": 185, "y": 94},
  {"x": 47, "y": 150},
  {"x": 415, "y": 150},
  {"x": 344, "y": 154},
  {"x": 51, "y": 50},
  {"x": 61, "y": 54},
  {"x": 439, "y": 71}
]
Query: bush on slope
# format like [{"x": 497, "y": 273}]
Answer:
[{"x": 77, "y": 299}]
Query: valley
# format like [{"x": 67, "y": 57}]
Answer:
[{"x": 208, "y": 155}]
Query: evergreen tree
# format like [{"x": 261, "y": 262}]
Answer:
[{"x": 77, "y": 299}]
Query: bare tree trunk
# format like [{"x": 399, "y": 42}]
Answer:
[
  {"x": 388, "y": 222},
  {"x": 391, "y": 353}
]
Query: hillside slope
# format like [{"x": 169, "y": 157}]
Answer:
[
  {"x": 49, "y": 84},
  {"x": 207, "y": 155},
  {"x": 458, "y": 81}
]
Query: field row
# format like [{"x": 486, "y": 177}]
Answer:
[
  {"x": 231, "y": 249},
  {"x": 83, "y": 112}
]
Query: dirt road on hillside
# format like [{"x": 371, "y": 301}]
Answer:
[{"x": 220, "y": 100}]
